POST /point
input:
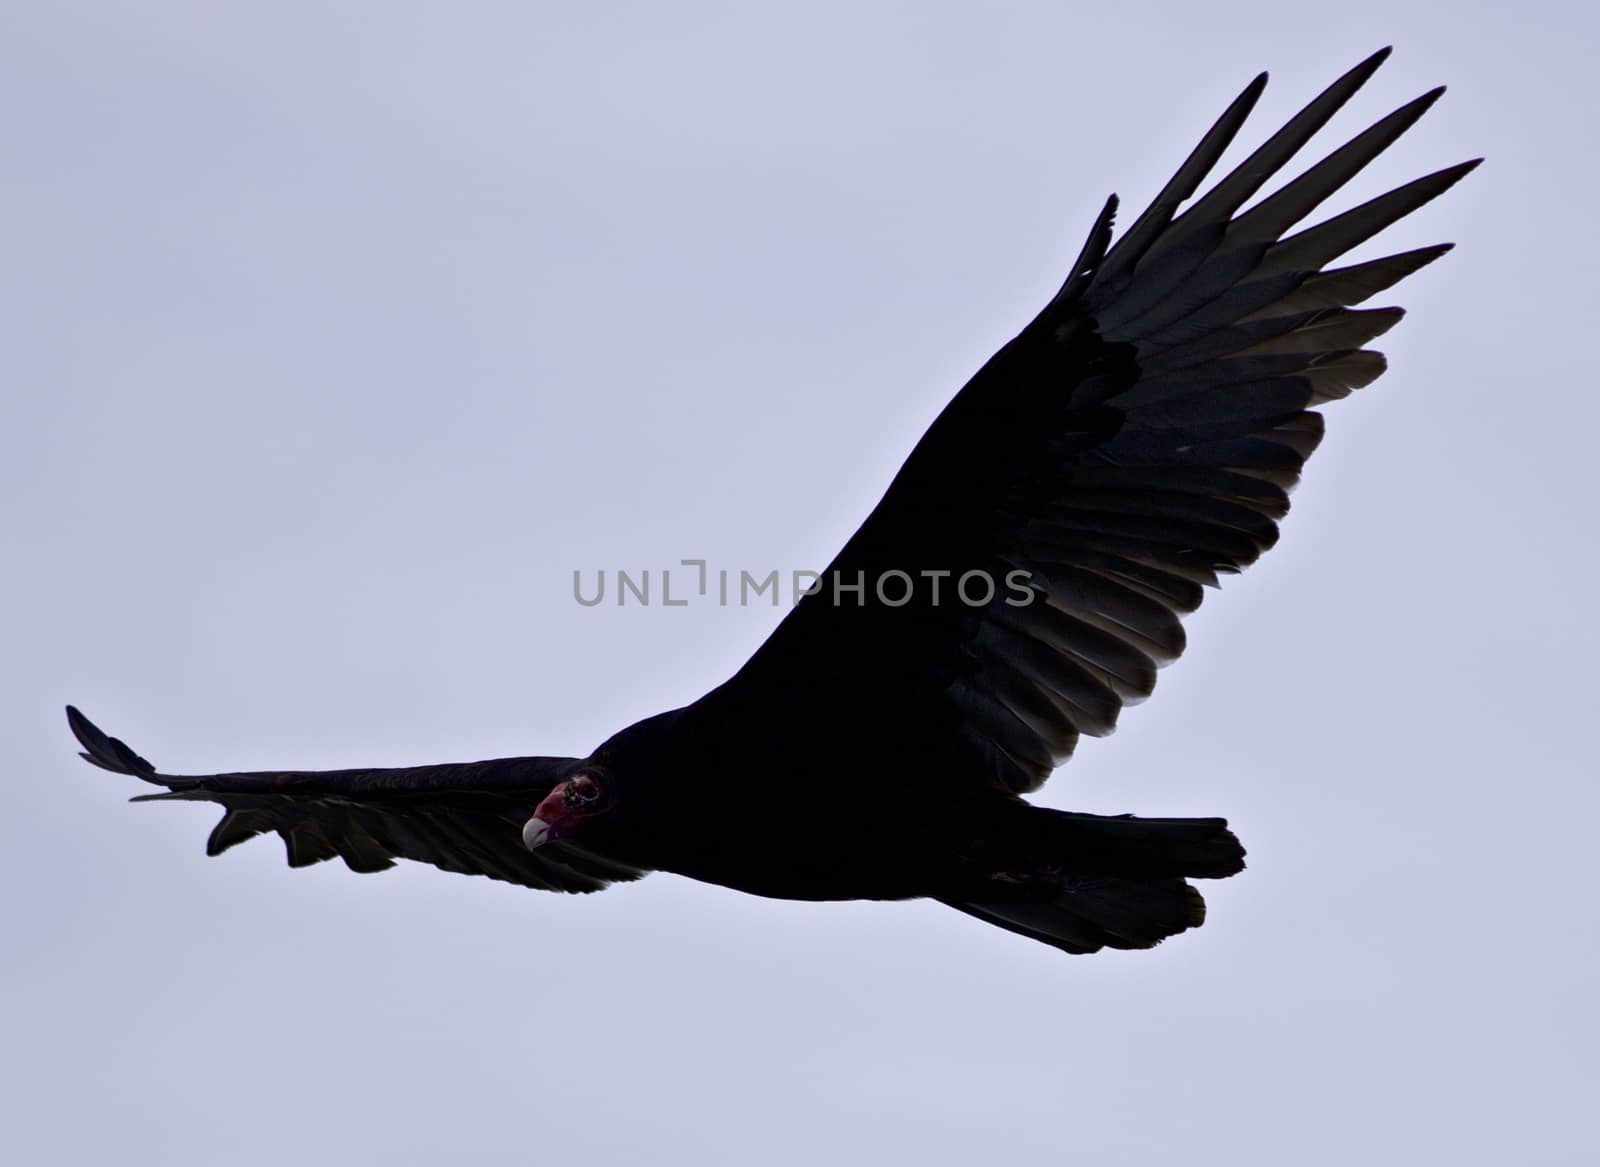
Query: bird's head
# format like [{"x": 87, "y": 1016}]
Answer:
[{"x": 572, "y": 807}]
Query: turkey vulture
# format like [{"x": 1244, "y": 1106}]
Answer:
[{"x": 1020, "y": 581}]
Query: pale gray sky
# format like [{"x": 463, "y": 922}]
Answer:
[{"x": 339, "y": 334}]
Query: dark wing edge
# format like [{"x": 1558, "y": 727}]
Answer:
[
  {"x": 464, "y": 818},
  {"x": 1137, "y": 439},
  {"x": 1234, "y": 332}
]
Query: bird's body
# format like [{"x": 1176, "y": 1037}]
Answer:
[{"x": 1021, "y": 581}]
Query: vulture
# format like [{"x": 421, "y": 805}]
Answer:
[{"x": 1023, "y": 577}]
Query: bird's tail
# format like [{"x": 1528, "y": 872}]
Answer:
[{"x": 1108, "y": 882}]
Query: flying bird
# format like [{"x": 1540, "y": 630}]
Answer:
[{"x": 1021, "y": 580}]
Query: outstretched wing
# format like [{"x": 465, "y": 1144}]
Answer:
[
  {"x": 465, "y": 817},
  {"x": 1134, "y": 441}
]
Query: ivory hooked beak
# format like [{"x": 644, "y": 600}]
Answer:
[{"x": 535, "y": 833}]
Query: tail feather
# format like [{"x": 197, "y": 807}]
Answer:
[
  {"x": 1101, "y": 912},
  {"x": 1136, "y": 848}
]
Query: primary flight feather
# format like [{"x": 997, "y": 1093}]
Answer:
[{"x": 1021, "y": 580}]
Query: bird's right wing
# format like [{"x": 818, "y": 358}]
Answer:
[{"x": 464, "y": 817}]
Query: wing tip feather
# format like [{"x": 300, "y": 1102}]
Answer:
[{"x": 103, "y": 750}]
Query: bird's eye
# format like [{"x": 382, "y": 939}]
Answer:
[{"x": 582, "y": 793}]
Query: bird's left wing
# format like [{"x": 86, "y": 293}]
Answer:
[
  {"x": 465, "y": 817},
  {"x": 1138, "y": 438}
]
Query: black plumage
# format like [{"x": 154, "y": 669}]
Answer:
[{"x": 1135, "y": 441}]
